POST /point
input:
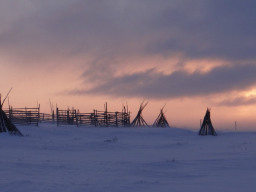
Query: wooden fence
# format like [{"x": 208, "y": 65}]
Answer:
[
  {"x": 24, "y": 116},
  {"x": 97, "y": 118},
  {"x": 66, "y": 117},
  {"x": 103, "y": 119},
  {"x": 44, "y": 117},
  {"x": 32, "y": 116}
]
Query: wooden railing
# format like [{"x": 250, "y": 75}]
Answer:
[
  {"x": 26, "y": 116},
  {"x": 97, "y": 118}
]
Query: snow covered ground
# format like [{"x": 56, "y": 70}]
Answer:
[{"x": 76, "y": 159}]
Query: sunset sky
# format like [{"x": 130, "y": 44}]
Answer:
[{"x": 187, "y": 54}]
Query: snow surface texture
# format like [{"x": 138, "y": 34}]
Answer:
[{"x": 72, "y": 159}]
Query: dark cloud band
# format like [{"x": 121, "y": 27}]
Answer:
[{"x": 151, "y": 84}]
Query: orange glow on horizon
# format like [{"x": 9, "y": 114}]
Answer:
[{"x": 38, "y": 85}]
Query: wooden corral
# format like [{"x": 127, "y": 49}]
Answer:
[
  {"x": 103, "y": 119},
  {"x": 24, "y": 116},
  {"x": 66, "y": 117},
  {"x": 44, "y": 117},
  {"x": 96, "y": 118}
]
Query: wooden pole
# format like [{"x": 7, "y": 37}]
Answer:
[
  {"x": 6, "y": 97},
  {"x": 0, "y": 102},
  {"x": 38, "y": 115},
  {"x": 57, "y": 116},
  {"x": 116, "y": 120},
  {"x": 77, "y": 115}
]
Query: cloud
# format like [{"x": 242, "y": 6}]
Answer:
[
  {"x": 207, "y": 29},
  {"x": 239, "y": 101},
  {"x": 155, "y": 85},
  {"x": 107, "y": 34},
  {"x": 64, "y": 29},
  {"x": 196, "y": 29}
]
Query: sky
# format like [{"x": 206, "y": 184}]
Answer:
[{"x": 187, "y": 55}]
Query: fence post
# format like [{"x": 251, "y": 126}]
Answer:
[
  {"x": 77, "y": 116},
  {"x": 38, "y": 115},
  {"x": 116, "y": 120},
  {"x": 68, "y": 119},
  {"x": 57, "y": 116},
  {"x": 52, "y": 115},
  {"x": 10, "y": 113},
  {"x": 128, "y": 119},
  {"x": 95, "y": 117}
]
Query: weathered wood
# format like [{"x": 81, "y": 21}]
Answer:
[
  {"x": 161, "y": 120},
  {"x": 138, "y": 120},
  {"x": 6, "y": 124},
  {"x": 25, "y": 115},
  {"x": 66, "y": 117},
  {"x": 207, "y": 128},
  {"x": 103, "y": 119}
]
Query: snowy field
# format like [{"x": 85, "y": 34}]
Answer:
[{"x": 72, "y": 159}]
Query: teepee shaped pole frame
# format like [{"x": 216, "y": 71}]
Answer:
[
  {"x": 138, "y": 120},
  {"x": 161, "y": 120},
  {"x": 5, "y": 123},
  {"x": 207, "y": 127}
]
